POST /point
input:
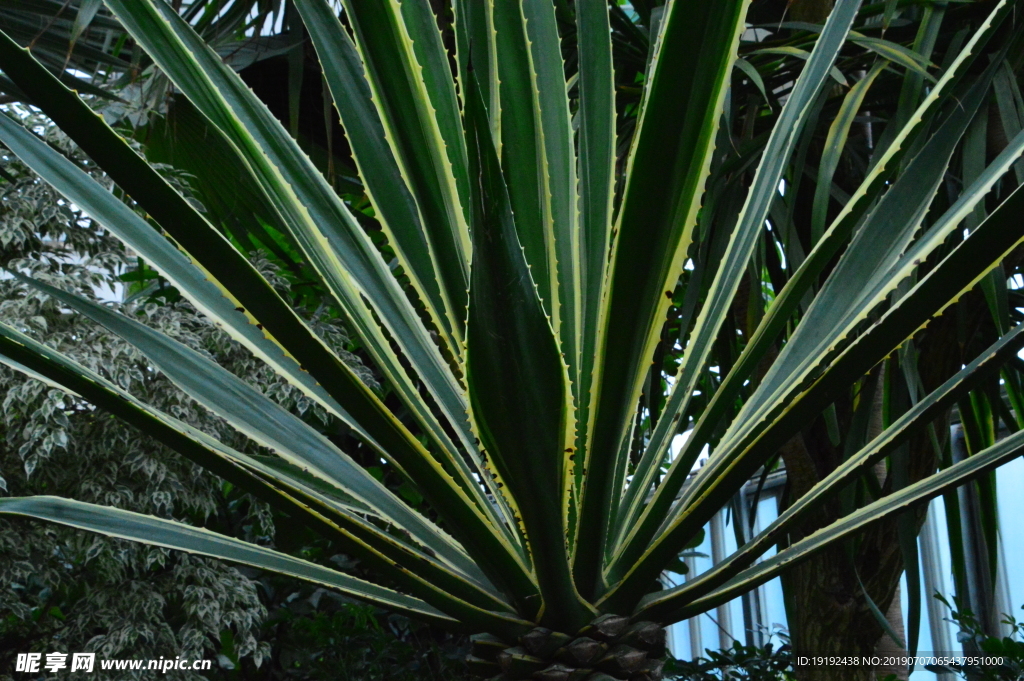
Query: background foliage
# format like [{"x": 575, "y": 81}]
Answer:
[{"x": 67, "y": 591}]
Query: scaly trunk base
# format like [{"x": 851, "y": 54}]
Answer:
[{"x": 607, "y": 648}]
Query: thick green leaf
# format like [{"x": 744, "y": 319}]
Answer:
[
  {"x": 475, "y": 51},
  {"x": 266, "y": 422},
  {"x": 97, "y": 202},
  {"x": 343, "y": 255},
  {"x": 733, "y": 265},
  {"x": 408, "y": 73},
  {"x": 596, "y": 118},
  {"x": 519, "y": 384},
  {"x": 558, "y": 175},
  {"x": 395, "y": 205},
  {"x": 226, "y": 286},
  {"x": 788, "y": 300},
  {"x": 257, "y": 310},
  {"x": 173, "y": 535},
  {"x": 672, "y": 148},
  {"x": 957, "y": 273},
  {"x": 880, "y": 243},
  {"x": 522, "y": 149},
  {"x": 397, "y": 208}
]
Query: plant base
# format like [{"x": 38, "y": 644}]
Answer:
[{"x": 608, "y": 648}]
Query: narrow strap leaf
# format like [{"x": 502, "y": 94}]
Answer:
[
  {"x": 672, "y": 148},
  {"x": 203, "y": 291},
  {"x": 334, "y": 243},
  {"x": 865, "y": 274},
  {"x": 41, "y": 362},
  {"x": 264, "y": 421},
  {"x": 922, "y": 413},
  {"x": 296, "y": 492},
  {"x": 338, "y": 248},
  {"x": 835, "y": 142},
  {"x": 475, "y": 50},
  {"x": 895, "y": 53},
  {"x": 913, "y": 82},
  {"x": 558, "y": 175},
  {"x": 233, "y": 281},
  {"x": 789, "y": 51},
  {"x": 755, "y": 77},
  {"x": 413, "y": 97},
  {"x": 523, "y": 153},
  {"x": 154, "y": 531},
  {"x": 884, "y": 238},
  {"x": 662, "y": 607},
  {"x": 876, "y": 612},
  {"x": 396, "y": 207},
  {"x": 786, "y": 301},
  {"x": 941, "y": 287}
]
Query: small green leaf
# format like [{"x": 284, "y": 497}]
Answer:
[
  {"x": 410, "y": 494},
  {"x": 697, "y": 540},
  {"x": 755, "y": 77},
  {"x": 895, "y": 53}
]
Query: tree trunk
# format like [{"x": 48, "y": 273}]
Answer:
[
  {"x": 828, "y": 614},
  {"x": 812, "y": 11}
]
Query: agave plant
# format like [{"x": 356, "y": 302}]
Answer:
[{"x": 517, "y": 322}]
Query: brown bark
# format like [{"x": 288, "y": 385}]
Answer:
[
  {"x": 828, "y": 614},
  {"x": 813, "y": 11}
]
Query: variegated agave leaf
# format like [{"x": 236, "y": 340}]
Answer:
[{"x": 543, "y": 235}]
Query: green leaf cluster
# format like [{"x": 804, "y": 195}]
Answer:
[{"x": 545, "y": 221}]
